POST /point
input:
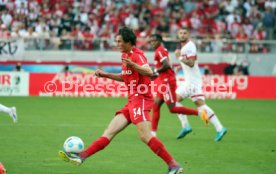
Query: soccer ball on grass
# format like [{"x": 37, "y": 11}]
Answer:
[{"x": 73, "y": 144}]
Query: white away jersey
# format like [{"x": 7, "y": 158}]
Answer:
[{"x": 191, "y": 74}]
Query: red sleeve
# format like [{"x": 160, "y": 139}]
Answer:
[
  {"x": 162, "y": 54},
  {"x": 139, "y": 59}
]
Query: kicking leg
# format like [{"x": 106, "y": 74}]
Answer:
[{"x": 117, "y": 124}]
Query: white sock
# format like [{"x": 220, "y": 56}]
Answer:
[
  {"x": 183, "y": 118},
  {"x": 214, "y": 119},
  {"x": 4, "y": 109}
]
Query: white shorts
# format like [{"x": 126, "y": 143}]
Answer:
[{"x": 192, "y": 91}]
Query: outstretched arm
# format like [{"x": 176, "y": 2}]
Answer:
[{"x": 113, "y": 76}]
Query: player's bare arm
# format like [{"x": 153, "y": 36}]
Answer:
[
  {"x": 188, "y": 62},
  {"x": 144, "y": 70},
  {"x": 113, "y": 76},
  {"x": 177, "y": 53},
  {"x": 165, "y": 65}
]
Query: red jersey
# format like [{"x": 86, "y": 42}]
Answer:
[
  {"x": 162, "y": 53},
  {"x": 135, "y": 82}
]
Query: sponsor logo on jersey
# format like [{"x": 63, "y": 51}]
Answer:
[{"x": 126, "y": 72}]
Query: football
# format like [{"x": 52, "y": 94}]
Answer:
[{"x": 73, "y": 144}]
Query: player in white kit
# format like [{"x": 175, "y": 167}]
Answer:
[{"x": 192, "y": 87}]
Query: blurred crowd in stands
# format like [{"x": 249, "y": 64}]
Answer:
[{"x": 216, "y": 25}]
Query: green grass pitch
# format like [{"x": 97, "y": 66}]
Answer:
[{"x": 31, "y": 145}]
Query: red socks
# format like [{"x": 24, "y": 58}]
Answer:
[
  {"x": 158, "y": 148},
  {"x": 184, "y": 110},
  {"x": 155, "y": 145},
  {"x": 155, "y": 117},
  {"x": 96, "y": 146}
]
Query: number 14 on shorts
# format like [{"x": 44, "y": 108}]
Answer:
[{"x": 136, "y": 112}]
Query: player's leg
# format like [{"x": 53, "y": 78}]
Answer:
[
  {"x": 139, "y": 111},
  {"x": 158, "y": 101},
  {"x": 185, "y": 91},
  {"x": 182, "y": 117},
  {"x": 185, "y": 125},
  {"x": 157, "y": 146},
  {"x": 170, "y": 99},
  {"x": 221, "y": 131},
  {"x": 117, "y": 124},
  {"x": 11, "y": 111},
  {"x": 5, "y": 109}
]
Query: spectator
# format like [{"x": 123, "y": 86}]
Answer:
[
  {"x": 4, "y": 33},
  {"x": 41, "y": 26},
  {"x": 132, "y": 22},
  {"x": 163, "y": 28},
  {"x": 22, "y": 9},
  {"x": 173, "y": 28},
  {"x": 43, "y": 38},
  {"x": 30, "y": 38},
  {"x": 258, "y": 35},
  {"x": 66, "y": 39},
  {"x": 104, "y": 18},
  {"x": 269, "y": 22},
  {"x": 6, "y": 18},
  {"x": 195, "y": 23},
  {"x": 248, "y": 27}
]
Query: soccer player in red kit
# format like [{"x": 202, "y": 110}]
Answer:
[
  {"x": 135, "y": 73},
  {"x": 165, "y": 79}
]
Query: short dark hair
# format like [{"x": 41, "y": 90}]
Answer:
[
  {"x": 127, "y": 35},
  {"x": 158, "y": 37},
  {"x": 185, "y": 28}
]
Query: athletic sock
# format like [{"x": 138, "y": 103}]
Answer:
[
  {"x": 215, "y": 121},
  {"x": 158, "y": 148},
  {"x": 184, "y": 110},
  {"x": 5, "y": 109},
  {"x": 155, "y": 117},
  {"x": 183, "y": 118},
  {"x": 212, "y": 117},
  {"x": 96, "y": 146},
  {"x": 173, "y": 164}
]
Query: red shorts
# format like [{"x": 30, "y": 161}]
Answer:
[
  {"x": 166, "y": 91},
  {"x": 137, "y": 109}
]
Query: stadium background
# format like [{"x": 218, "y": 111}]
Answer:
[{"x": 54, "y": 40}]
